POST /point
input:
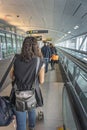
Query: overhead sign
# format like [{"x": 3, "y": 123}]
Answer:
[{"x": 36, "y": 31}]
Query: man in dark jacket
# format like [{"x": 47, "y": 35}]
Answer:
[{"x": 46, "y": 54}]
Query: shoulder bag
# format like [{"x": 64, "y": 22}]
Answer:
[{"x": 25, "y": 100}]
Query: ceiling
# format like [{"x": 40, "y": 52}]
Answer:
[{"x": 59, "y": 17}]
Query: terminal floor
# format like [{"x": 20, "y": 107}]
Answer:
[{"x": 52, "y": 94}]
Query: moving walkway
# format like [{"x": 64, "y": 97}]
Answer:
[{"x": 64, "y": 96}]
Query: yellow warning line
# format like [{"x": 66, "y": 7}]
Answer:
[{"x": 60, "y": 128}]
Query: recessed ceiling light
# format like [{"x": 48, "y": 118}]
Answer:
[
  {"x": 65, "y": 35},
  {"x": 69, "y": 32},
  {"x": 76, "y": 27}
]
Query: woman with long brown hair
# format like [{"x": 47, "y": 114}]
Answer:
[{"x": 27, "y": 61}]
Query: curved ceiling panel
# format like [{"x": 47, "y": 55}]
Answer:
[{"x": 59, "y": 17}]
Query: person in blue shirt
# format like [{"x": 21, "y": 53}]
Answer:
[{"x": 46, "y": 55}]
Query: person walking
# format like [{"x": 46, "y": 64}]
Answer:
[
  {"x": 53, "y": 52},
  {"x": 27, "y": 61},
  {"x": 46, "y": 54}
]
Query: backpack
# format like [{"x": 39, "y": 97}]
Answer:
[{"x": 6, "y": 111}]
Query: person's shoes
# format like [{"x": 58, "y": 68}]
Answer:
[{"x": 31, "y": 128}]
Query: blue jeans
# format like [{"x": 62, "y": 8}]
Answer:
[
  {"x": 46, "y": 60},
  {"x": 21, "y": 119}
]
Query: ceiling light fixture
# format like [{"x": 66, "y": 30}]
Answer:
[
  {"x": 69, "y": 32},
  {"x": 76, "y": 27},
  {"x": 65, "y": 35}
]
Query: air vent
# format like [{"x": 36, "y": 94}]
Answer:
[
  {"x": 8, "y": 15},
  {"x": 77, "y": 9}
]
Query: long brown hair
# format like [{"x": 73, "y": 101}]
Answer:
[{"x": 30, "y": 48}]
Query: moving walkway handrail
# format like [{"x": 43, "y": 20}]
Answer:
[
  {"x": 76, "y": 102},
  {"x": 6, "y": 73},
  {"x": 74, "y": 59},
  {"x": 77, "y": 106},
  {"x": 71, "y": 121},
  {"x": 75, "y": 50}
]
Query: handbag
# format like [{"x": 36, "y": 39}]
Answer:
[
  {"x": 55, "y": 57},
  {"x": 25, "y": 100},
  {"x": 6, "y": 111}
]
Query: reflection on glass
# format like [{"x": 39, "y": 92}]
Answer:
[
  {"x": 70, "y": 67},
  {"x": 69, "y": 119},
  {"x": 82, "y": 81}
]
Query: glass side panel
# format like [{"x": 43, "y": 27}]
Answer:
[
  {"x": 71, "y": 67},
  {"x": 69, "y": 121},
  {"x": 76, "y": 54},
  {"x": 82, "y": 81}
]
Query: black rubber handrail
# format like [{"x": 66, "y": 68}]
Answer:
[
  {"x": 7, "y": 72},
  {"x": 74, "y": 115},
  {"x": 75, "y": 99},
  {"x": 75, "y": 50},
  {"x": 80, "y": 112},
  {"x": 76, "y": 60}
]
